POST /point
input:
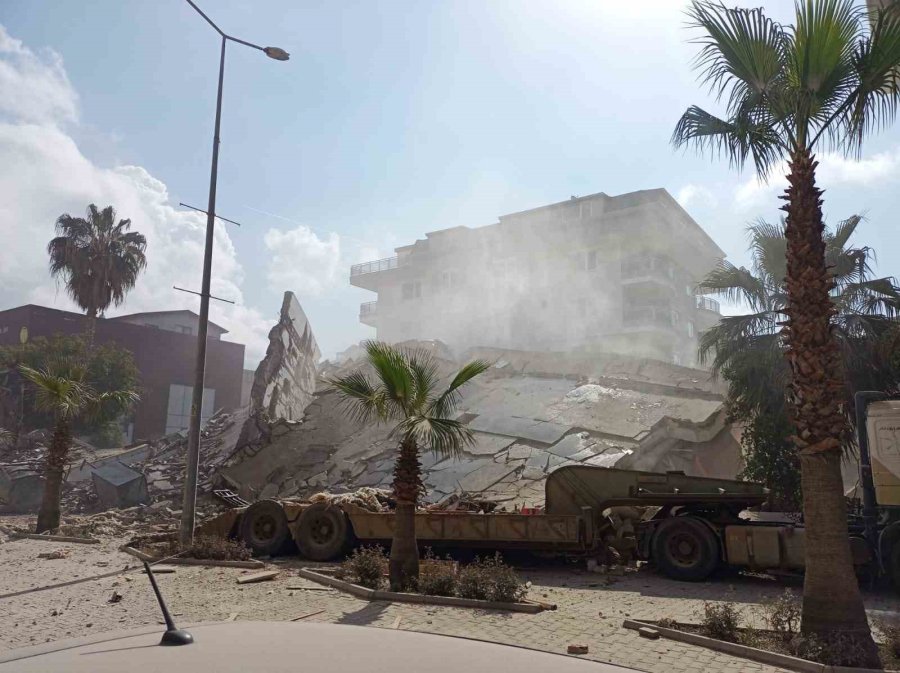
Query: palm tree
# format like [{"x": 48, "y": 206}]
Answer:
[
  {"x": 61, "y": 389},
  {"x": 98, "y": 258},
  {"x": 748, "y": 350},
  {"x": 405, "y": 391},
  {"x": 788, "y": 89}
]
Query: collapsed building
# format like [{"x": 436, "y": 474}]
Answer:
[{"x": 530, "y": 413}]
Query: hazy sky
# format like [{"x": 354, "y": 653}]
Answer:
[{"x": 391, "y": 119}]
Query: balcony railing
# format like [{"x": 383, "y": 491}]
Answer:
[
  {"x": 373, "y": 267},
  {"x": 649, "y": 266},
  {"x": 708, "y": 304},
  {"x": 368, "y": 308},
  {"x": 649, "y": 316}
]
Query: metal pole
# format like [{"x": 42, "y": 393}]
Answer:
[{"x": 192, "y": 461}]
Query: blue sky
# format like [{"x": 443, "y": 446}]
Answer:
[{"x": 390, "y": 120}]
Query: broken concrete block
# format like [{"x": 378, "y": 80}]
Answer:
[
  {"x": 117, "y": 485},
  {"x": 258, "y": 577},
  {"x": 575, "y": 648},
  {"x": 647, "y": 632}
]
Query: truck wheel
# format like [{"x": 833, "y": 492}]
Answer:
[
  {"x": 264, "y": 527},
  {"x": 685, "y": 549},
  {"x": 323, "y": 532}
]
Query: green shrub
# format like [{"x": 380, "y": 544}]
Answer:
[
  {"x": 436, "y": 578},
  {"x": 365, "y": 566},
  {"x": 841, "y": 649},
  {"x": 720, "y": 621},
  {"x": 783, "y": 614},
  {"x": 490, "y": 580},
  {"x": 208, "y": 547}
]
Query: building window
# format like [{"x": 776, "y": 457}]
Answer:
[
  {"x": 689, "y": 291},
  {"x": 412, "y": 290},
  {"x": 178, "y": 415},
  {"x": 184, "y": 329},
  {"x": 690, "y": 329},
  {"x": 4, "y": 329}
]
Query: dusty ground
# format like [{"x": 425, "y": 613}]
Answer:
[{"x": 590, "y": 611}]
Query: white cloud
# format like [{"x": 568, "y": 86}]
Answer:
[
  {"x": 301, "y": 261},
  {"x": 35, "y": 87},
  {"x": 835, "y": 170},
  {"x": 696, "y": 195},
  {"x": 44, "y": 174}
]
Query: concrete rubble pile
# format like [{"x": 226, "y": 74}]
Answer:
[{"x": 530, "y": 414}]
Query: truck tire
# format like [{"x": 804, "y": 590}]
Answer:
[
  {"x": 264, "y": 527},
  {"x": 685, "y": 549},
  {"x": 323, "y": 532}
]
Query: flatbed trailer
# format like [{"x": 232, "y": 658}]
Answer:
[{"x": 684, "y": 535}]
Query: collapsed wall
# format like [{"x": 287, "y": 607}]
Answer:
[
  {"x": 530, "y": 413},
  {"x": 285, "y": 380}
]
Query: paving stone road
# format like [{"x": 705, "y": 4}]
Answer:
[{"x": 589, "y": 611}]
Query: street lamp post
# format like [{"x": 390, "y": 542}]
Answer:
[{"x": 193, "y": 452}]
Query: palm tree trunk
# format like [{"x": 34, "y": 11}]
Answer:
[
  {"x": 48, "y": 516},
  {"x": 91, "y": 328},
  {"x": 831, "y": 598},
  {"x": 404, "y": 563}
]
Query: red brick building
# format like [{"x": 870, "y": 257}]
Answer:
[{"x": 164, "y": 347}]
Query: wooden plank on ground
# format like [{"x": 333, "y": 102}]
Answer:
[
  {"x": 57, "y": 538},
  {"x": 396, "y": 624},
  {"x": 258, "y": 577},
  {"x": 308, "y": 614}
]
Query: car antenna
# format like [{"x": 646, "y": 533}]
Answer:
[{"x": 172, "y": 636}]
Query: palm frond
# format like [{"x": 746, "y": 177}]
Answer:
[
  {"x": 392, "y": 369},
  {"x": 820, "y": 66},
  {"x": 875, "y": 100},
  {"x": 445, "y": 404},
  {"x": 735, "y": 284},
  {"x": 737, "y": 138},
  {"x": 424, "y": 372},
  {"x": 445, "y": 436},
  {"x": 364, "y": 401},
  {"x": 736, "y": 334},
  {"x": 742, "y": 51}
]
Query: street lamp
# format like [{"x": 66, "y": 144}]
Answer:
[{"x": 193, "y": 453}]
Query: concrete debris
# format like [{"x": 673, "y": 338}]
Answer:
[
  {"x": 576, "y": 648},
  {"x": 21, "y": 488},
  {"x": 370, "y": 499},
  {"x": 534, "y": 414},
  {"x": 56, "y": 554},
  {"x": 258, "y": 577},
  {"x": 117, "y": 485},
  {"x": 285, "y": 381}
]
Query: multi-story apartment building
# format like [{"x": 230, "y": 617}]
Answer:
[{"x": 603, "y": 273}]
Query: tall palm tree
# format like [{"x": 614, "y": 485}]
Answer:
[
  {"x": 98, "y": 258},
  {"x": 61, "y": 389},
  {"x": 830, "y": 77},
  {"x": 748, "y": 350},
  {"x": 405, "y": 391}
]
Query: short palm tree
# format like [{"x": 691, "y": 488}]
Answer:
[
  {"x": 829, "y": 77},
  {"x": 61, "y": 389},
  {"x": 405, "y": 391},
  {"x": 748, "y": 349},
  {"x": 98, "y": 258}
]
